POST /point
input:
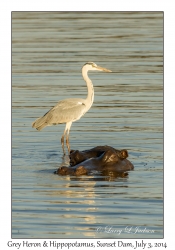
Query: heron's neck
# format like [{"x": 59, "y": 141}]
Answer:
[{"x": 90, "y": 95}]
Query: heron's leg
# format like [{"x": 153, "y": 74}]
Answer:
[
  {"x": 62, "y": 139},
  {"x": 62, "y": 143},
  {"x": 68, "y": 125},
  {"x": 67, "y": 143}
]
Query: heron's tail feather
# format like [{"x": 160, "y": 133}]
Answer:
[{"x": 39, "y": 123}]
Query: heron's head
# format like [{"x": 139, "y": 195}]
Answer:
[{"x": 93, "y": 66}]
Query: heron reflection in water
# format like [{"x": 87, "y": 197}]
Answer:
[{"x": 70, "y": 110}]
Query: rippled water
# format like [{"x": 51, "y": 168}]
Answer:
[{"x": 48, "y": 52}]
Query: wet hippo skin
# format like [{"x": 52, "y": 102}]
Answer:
[
  {"x": 80, "y": 156},
  {"x": 104, "y": 159}
]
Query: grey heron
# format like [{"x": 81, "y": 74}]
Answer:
[{"x": 70, "y": 110}]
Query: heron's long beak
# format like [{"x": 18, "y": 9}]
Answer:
[{"x": 103, "y": 69}]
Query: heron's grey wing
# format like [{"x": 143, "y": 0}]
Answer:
[{"x": 66, "y": 111}]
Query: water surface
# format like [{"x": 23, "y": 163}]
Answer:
[{"x": 48, "y": 52}]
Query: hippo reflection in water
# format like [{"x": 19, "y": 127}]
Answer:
[{"x": 103, "y": 159}]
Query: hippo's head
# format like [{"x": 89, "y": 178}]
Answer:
[{"x": 76, "y": 157}]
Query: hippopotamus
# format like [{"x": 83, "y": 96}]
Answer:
[
  {"x": 103, "y": 159},
  {"x": 80, "y": 156}
]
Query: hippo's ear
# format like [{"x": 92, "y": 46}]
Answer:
[
  {"x": 72, "y": 151},
  {"x": 124, "y": 153}
]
